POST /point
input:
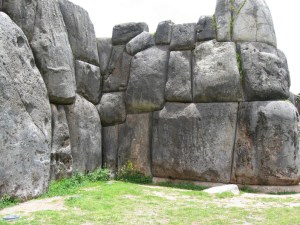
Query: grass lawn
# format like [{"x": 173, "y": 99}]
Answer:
[{"x": 118, "y": 202}]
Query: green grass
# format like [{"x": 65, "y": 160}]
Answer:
[
  {"x": 7, "y": 201},
  {"x": 93, "y": 199}
]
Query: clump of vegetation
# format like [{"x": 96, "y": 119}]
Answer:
[
  {"x": 68, "y": 186},
  {"x": 129, "y": 174},
  {"x": 6, "y": 201}
]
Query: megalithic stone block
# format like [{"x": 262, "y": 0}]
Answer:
[
  {"x": 244, "y": 20},
  {"x": 267, "y": 144},
  {"x": 81, "y": 32},
  {"x": 85, "y": 134},
  {"x": 194, "y": 141},
  {"x": 148, "y": 74},
  {"x": 53, "y": 54},
  {"x": 25, "y": 117}
]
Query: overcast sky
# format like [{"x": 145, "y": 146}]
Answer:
[{"x": 106, "y": 14}]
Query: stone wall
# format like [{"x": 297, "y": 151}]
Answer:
[{"x": 203, "y": 101}]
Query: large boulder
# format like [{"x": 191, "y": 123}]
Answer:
[
  {"x": 85, "y": 134},
  {"x": 265, "y": 72},
  {"x": 183, "y": 37},
  {"x": 216, "y": 76},
  {"x": 25, "y": 117},
  {"x": 194, "y": 141},
  {"x": 122, "y": 33},
  {"x": 267, "y": 144},
  {"x": 52, "y": 51},
  {"x": 244, "y": 20},
  {"x": 163, "y": 33},
  {"x": 116, "y": 78},
  {"x": 135, "y": 143},
  {"x": 88, "y": 81},
  {"x": 205, "y": 28},
  {"x": 81, "y": 32},
  {"x": 23, "y": 13},
  {"x": 112, "y": 108},
  {"x": 148, "y": 74},
  {"x": 61, "y": 156},
  {"x": 179, "y": 87},
  {"x": 139, "y": 43},
  {"x": 104, "y": 46}
]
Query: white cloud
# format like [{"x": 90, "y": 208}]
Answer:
[{"x": 106, "y": 14}]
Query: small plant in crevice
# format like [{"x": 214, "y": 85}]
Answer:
[
  {"x": 128, "y": 174},
  {"x": 7, "y": 200}
]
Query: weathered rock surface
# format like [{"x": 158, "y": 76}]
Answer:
[
  {"x": 110, "y": 147},
  {"x": 117, "y": 75},
  {"x": 135, "y": 142},
  {"x": 61, "y": 156},
  {"x": 267, "y": 144},
  {"x": 88, "y": 81},
  {"x": 85, "y": 134},
  {"x": 53, "y": 53},
  {"x": 244, "y": 20},
  {"x": 163, "y": 33},
  {"x": 25, "y": 117},
  {"x": 22, "y": 12},
  {"x": 104, "y": 46},
  {"x": 81, "y": 32},
  {"x": 194, "y": 141},
  {"x": 146, "y": 87},
  {"x": 183, "y": 37},
  {"x": 122, "y": 33},
  {"x": 216, "y": 75},
  {"x": 205, "y": 29},
  {"x": 112, "y": 108},
  {"x": 139, "y": 43},
  {"x": 178, "y": 87},
  {"x": 265, "y": 72}
]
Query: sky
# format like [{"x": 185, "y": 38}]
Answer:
[{"x": 106, "y": 14}]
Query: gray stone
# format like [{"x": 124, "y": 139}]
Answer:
[
  {"x": 85, "y": 134},
  {"x": 135, "y": 143},
  {"x": 112, "y": 108},
  {"x": 216, "y": 75},
  {"x": 253, "y": 22},
  {"x": 297, "y": 102},
  {"x": 23, "y": 13},
  {"x": 205, "y": 29},
  {"x": 163, "y": 33},
  {"x": 0, "y": 4},
  {"x": 53, "y": 53},
  {"x": 104, "y": 46},
  {"x": 194, "y": 141},
  {"x": 139, "y": 43},
  {"x": 61, "y": 156},
  {"x": 117, "y": 75},
  {"x": 229, "y": 188},
  {"x": 267, "y": 144},
  {"x": 223, "y": 20},
  {"x": 110, "y": 147},
  {"x": 146, "y": 86},
  {"x": 88, "y": 81},
  {"x": 122, "y": 33},
  {"x": 265, "y": 72},
  {"x": 25, "y": 117},
  {"x": 183, "y": 37},
  {"x": 293, "y": 98},
  {"x": 244, "y": 20},
  {"x": 81, "y": 32},
  {"x": 178, "y": 87}
]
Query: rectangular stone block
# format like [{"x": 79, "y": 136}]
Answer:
[{"x": 194, "y": 141}]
